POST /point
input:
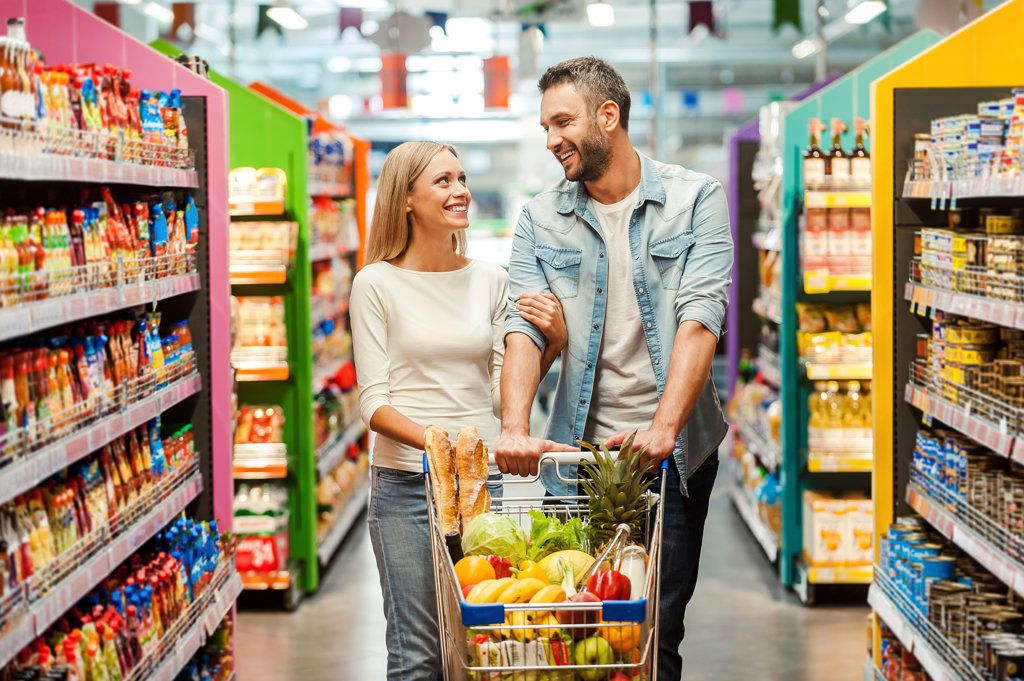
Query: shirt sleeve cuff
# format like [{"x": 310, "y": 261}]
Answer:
[
  {"x": 516, "y": 324},
  {"x": 709, "y": 316},
  {"x": 369, "y": 405}
]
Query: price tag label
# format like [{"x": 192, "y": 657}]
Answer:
[{"x": 50, "y": 313}]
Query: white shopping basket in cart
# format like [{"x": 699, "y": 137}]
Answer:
[{"x": 530, "y": 642}]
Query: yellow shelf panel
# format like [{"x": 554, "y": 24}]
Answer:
[
  {"x": 837, "y": 199},
  {"x": 823, "y": 462},
  {"x": 839, "y": 372},
  {"x": 824, "y": 282},
  {"x": 840, "y": 574}
]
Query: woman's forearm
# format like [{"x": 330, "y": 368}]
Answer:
[{"x": 391, "y": 423}]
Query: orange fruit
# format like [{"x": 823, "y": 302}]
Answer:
[
  {"x": 622, "y": 636},
  {"x": 472, "y": 570}
]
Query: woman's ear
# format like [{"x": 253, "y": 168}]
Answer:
[{"x": 408, "y": 204}]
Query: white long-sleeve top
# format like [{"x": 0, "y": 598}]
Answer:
[{"x": 429, "y": 344}]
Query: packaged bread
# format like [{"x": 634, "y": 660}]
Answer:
[
  {"x": 441, "y": 458},
  {"x": 471, "y": 459}
]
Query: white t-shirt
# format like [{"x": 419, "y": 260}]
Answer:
[
  {"x": 625, "y": 389},
  {"x": 430, "y": 344}
]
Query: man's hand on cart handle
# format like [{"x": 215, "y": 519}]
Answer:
[
  {"x": 658, "y": 443},
  {"x": 519, "y": 453}
]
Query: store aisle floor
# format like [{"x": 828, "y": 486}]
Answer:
[{"x": 741, "y": 625}]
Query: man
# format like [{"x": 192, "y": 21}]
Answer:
[{"x": 639, "y": 255}]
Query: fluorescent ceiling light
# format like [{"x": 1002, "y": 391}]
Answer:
[
  {"x": 600, "y": 14},
  {"x": 865, "y": 12},
  {"x": 805, "y": 48},
  {"x": 159, "y": 12},
  {"x": 130, "y": 2},
  {"x": 211, "y": 33},
  {"x": 288, "y": 18},
  {"x": 340, "y": 106},
  {"x": 339, "y": 64}
]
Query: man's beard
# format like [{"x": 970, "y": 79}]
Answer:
[{"x": 595, "y": 155}]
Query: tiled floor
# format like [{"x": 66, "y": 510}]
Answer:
[{"x": 741, "y": 626}]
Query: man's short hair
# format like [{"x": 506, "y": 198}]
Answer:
[{"x": 596, "y": 80}]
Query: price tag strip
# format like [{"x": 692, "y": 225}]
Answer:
[
  {"x": 996, "y": 437},
  {"x": 55, "y": 168},
  {"x": 1003, "y": 313}
]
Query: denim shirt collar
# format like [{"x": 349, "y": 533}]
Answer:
[{"x": 651, "y": 189}]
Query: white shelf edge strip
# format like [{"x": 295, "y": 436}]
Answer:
[
  {"x": 1001, "y": 312},
  {"x": 56, "y": 168},
  {"x": 71, "y": 589},
  {"x": 344, "y": 521},
  {"x": 23, "y": 320},
  {"x": 930, "y": 660},
  {"x": 25, "y": 473},
  {"x": 978, "y": 429},
  {"x": 334, "y": 452},
  {"x": 990, "y": 557},
  {"x": 757, "y": 527}
]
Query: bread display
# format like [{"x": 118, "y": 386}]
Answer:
[
  {"x": 471, "y": 459},
  {"x": 441, "y": 458}
]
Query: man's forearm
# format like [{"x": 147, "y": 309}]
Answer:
[
  {"x": 520, "y": 376},
  {"x": 688, "y": 371}
]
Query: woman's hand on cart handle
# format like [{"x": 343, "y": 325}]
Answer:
[{"x": 519, "y": 454}]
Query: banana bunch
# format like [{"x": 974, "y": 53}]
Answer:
[
  {"x": 489, "y": 590},
  {"x": 528, "y": 625}
]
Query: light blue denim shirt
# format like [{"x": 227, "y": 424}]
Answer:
[{"x": 681, "y": 244}]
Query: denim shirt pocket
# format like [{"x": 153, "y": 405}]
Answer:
[
  {"x": 669, "y": 256},
  {"x": 561, "y": 267}
]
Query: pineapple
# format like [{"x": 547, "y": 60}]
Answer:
[{"x": 617, "y": 489}]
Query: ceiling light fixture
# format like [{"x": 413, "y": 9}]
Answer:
[
  {"x": 865, "y": 12},
  {"x": 159, "y": 12},
  {"x": 601, "y": 14},
  {"x": 130, "y": 2},
  {"x": 287, "y": 18},
  {"x": 805, "y": 48},
  {"x": 339, "y": 65},
  {"x": 210, "y": 33}
]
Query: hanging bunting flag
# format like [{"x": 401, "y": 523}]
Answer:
[
  {"x": 263, "y": 22},
  {"x": 438, "y": 19},
  {"x": 691, "y": 100},
  {"x": 702, "y": 14},
  {"x": 349, "y": 17},
  {"x": 184, "y": 23},
  {"x": 497, "y": 82},
  {"x": 109, "y": 12},
  {"x": 787, "y": 12},
  {"x": 393, "y": 74},
  {"x": 732, "y": 100}
]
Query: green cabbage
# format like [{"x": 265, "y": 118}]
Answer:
[
  {"x": 548, "y": 535},
  {"x": 494, "y": 534}
]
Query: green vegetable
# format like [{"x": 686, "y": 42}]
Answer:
[
  {"x": 548, "y": 534},
  {"x": 493, "y": 534}
]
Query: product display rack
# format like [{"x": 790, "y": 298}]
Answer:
[
  {"x": 847, "y": 98},
  {"x": 970, "y": 66},
  {"x": 194, "y": 391}
]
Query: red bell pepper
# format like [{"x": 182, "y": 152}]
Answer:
[
  {"x": 502, "y": 566},
  {"x": 609, "y": 585}
]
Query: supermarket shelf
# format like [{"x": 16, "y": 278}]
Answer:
[
  {"x": 995, "y": 437},
  {"x": 23, "y": 474},
  {"x": 261, "y": 372},
  {"x": 69, "y": 590},
  {"x": 998, "y": 186},
  {"x": 1002, "y": 312},
  {"x": 838, "y": 372},
  {"x": 242, "y": 275},
  {"x": 22, "y": 320},
  {"x": 54, "y": 168},
  {"x": 330, "y": 454},
  {"x": 262, "y": 581},
  {"x": 766, "y": 450},
  {"x": 767, "y": 241},
  {"x": 323, "y": 251},
  {"x": 323, "y": 373},
  {"x": 343, "y": 522},
  {"x": 825, "y": 462},
  {"x": 267, "y": 461},
  {"x": 765, "y": 311},
  {"x": 911, "y": 637},
  {"x": 990, "y": 556},
  {"x": 247, "y": 207},
  {"x": 842, "y": 574},
  {"x": 871, "y": 672},
  {"x": 837, "y": 199},
  {"x": 824, "y": 282},
  {"x": 203, "y": 621},
  {"x": 333, "y": 189},
  {"x": 762, "y": 533}
]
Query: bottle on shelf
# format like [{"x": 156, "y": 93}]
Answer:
[
  {"x": 860, "y": 158},
  {"x": 814, "y": 163},
  {"x": 837, "y": 162}
]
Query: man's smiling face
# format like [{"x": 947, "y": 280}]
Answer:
[{"x": 574, "y": 137}]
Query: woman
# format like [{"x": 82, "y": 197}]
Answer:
[{"x": 428, "y": 335}]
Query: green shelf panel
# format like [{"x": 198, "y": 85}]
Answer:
[{"x": 847, "y": 98}]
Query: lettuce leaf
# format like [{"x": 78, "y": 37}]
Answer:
[{"x": 548, "y": 535}]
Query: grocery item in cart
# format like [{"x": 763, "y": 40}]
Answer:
[
  {"x": 471, "y": 459},
  {"x": 441, "y": 457}
]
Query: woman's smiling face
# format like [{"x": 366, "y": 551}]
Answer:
[{"x": 439, "y": 198}]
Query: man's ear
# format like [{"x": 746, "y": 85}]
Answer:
[{"x": 609, "y": 115}]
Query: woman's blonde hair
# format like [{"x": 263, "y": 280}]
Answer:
[{"x": 390, "y": 229}]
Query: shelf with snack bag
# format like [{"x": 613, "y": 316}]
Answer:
[
  {"x": 344, "y": 518},
  {"x": 767, "y": 539}
]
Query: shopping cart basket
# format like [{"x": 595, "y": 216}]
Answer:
[{"x": 602, "y": 641}]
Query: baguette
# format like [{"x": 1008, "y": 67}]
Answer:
[
  {"x": 471, "y": 457},
  {"x": 441, "y": 458}
]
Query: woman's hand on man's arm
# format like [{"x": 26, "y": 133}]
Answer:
[{"x": 544, "y": 311}]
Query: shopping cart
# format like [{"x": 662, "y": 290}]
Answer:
[{"x": 602, "y": 641}]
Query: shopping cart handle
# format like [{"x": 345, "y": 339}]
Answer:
[{"x": 561, "y": 458}]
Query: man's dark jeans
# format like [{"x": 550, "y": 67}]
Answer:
[{"x": 682, "y": 536}]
